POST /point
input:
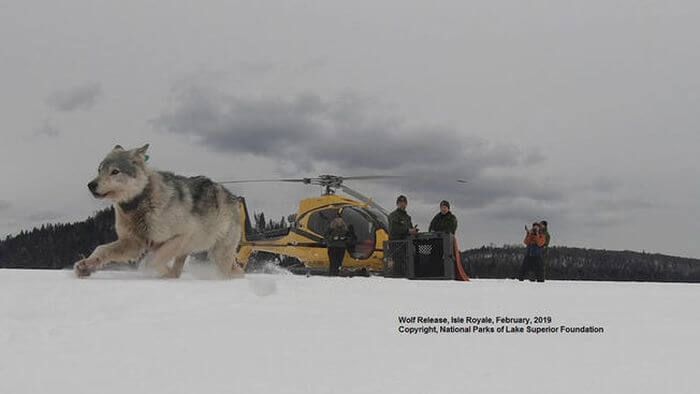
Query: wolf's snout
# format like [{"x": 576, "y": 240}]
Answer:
[{"x": 92, "y": 186}]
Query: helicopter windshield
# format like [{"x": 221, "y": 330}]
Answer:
[
  {"x": 320, "y": 220},
  {"x": 360, "y": 222},
  {"x": 363, "y": 228},
  {"x": 379, "y": 216}
]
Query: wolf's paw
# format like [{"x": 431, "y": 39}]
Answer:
[
  {"x": 85, "y": 267},
  {"x": 237, "y": 274},
  {"x": 171, "y": 274}
]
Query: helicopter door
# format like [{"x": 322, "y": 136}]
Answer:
[{"x": 364, "y": 230}]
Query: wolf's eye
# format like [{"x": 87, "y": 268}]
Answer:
[{"x": 115, "y": 172}]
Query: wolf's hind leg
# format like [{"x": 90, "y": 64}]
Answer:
[
  {"x": 224, "y": 255},
  {"x": 176, "y": 270}
]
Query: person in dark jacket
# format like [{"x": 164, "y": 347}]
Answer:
[
  {"x": 400, "y": 225},
  {"x": 444, "y": 221},
  {"x": 544, "y": 229},
  {"x": 337, "y": 240},
  {"x": 534, "y": 242}
]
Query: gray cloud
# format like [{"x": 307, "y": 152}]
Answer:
[
  {"x": 626, "y": 204},
  {"x": 604, "y": 185},
  {"x": 267, "y": 68},
  {"x": 534, "y": 157},
  {"x": 256, "y": 69},
  {"x": 48, "y": 129},
  {"x": 354, "y": 134},
  {"x": 607, "y": 210},
  {"x": 524, "y": 211},
  {"x": 43, "y": 216},
  {"x": 39, "y": 216},
  {"x": 81, "y": 97}
]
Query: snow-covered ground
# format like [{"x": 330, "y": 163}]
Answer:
[{"x": 125, "y": 333}]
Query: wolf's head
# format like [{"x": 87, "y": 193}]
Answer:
[{"x": 122, "y": 175}]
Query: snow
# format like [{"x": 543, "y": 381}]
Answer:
[{"x": 123, "y": 332}]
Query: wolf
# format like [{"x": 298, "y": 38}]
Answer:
[{"x": 164, "y": 216}]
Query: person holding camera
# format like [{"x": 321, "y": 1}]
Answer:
[{"x": 534, "y": 243}]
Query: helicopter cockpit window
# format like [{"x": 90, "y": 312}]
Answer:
[
  {"x": 359, "y": 223},
  {"x": 364, "y": 233},
  {"x": 320, "y": 221},
  {"x": 380, "y": 217}
]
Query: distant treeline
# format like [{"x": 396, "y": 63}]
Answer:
[
  {"x": 57, "y": 246},
  {"x": 584, "y": 264}
]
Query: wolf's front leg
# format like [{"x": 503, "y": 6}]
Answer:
[
  {"x": 165, "y": 252},
  {"x": 121, "y": 250}
]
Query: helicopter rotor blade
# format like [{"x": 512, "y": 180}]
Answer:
[
  {"x": 354, "y": 193},
  {"x": 324, "y": 179},
  {"x": 370, "y": 177},
  {"x": 295, "y": 180}
]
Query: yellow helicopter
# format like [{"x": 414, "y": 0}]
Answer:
[{"x": 300, "y": 247}]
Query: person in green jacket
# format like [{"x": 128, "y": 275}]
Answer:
[
  {"x": 400, "y": 225},
  {"x": 444, "y": 221}
]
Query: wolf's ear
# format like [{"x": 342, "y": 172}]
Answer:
[
  {"x": 118, "y": 147},
  {"x": 141, "y": 152}
]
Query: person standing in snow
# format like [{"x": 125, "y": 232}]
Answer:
[
  {"x": 544, "y": 229},
  {"x": 444, "y": 221},
  {"x": 400, "y": 225},
  {"x": 534, "y": 242},
  {"x": 336, "y": 239}
]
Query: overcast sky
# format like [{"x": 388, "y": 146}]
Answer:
[{"x": 584, "y": 113}]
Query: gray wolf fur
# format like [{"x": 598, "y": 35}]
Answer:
[{"x": 164, "y": 216}]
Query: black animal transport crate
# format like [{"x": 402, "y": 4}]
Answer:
[
  {"x": 425, "y": 256},
  {"x": 396, "y": 257}
]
